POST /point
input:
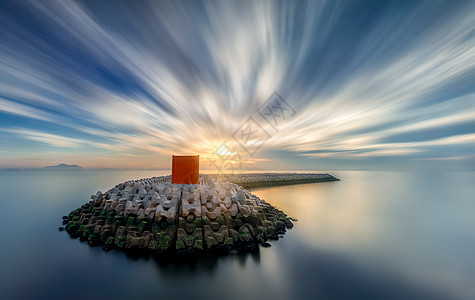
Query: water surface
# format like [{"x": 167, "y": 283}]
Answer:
[{"x": 372, "y": 235}]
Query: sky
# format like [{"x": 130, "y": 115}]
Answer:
[{"x": 261, "y": 85}]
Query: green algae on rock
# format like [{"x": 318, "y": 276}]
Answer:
[{"x": 154, "y": 216}]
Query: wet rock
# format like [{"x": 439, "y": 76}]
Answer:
[
  {"x": 107, "y": 248},
  {"x": 288, "y": 223},
  {"x": 154, "y": 215}
]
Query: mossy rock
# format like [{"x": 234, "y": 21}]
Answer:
[
  {"x": 189, "y": 227},
  {"x": 97, "y": 229},
  {"x": 246, "y": 238},
  {"x": 215, "y": 226},
  {"x": 288, "y": 223},
  {"x": 109, "y": 220},
  {"x": 229, "y": 241},
  {"x": 73, "y": 228},
  {"x": 234, "y": 234},
  {"x": 244, "y": 230},
  {"x": 165, "y": 243},
  {"x": 110, "y": 240},
  {"x": 237, "y": 223},
  {"x": 163, "y": 225},
  {"x": 181, "y": 222},
  {"x": 120, "y": 241},
  {"x": 121, "y": 244},
  {"x": 155, "y": 228},
  {"x": 119, "y": 218},
  {"x": 210, "y": 242},
  {"x": 189, "y": 240},
  {"x": 180, "y": 245},
  {"x": 133, "y": 228},
  {"x": 253, "y": 220},
  {"x": 280, "y": 226},
  {"x": 131, "y": 231},
  {"x": 219, "y": 237},
  {"x": 260, "y": 237},
  {"x": 219, "y": 220},
  {"x": 198, "y": 244},
  {"x": 144, "y": 226},
  {"x": 198, "y": 222},
  {"x": 153, "y": 245}
]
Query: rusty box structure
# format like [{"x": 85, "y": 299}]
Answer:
[{"x": 185, "y": 169}]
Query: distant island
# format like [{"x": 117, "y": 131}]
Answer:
[{"x": 63, "y": 167}]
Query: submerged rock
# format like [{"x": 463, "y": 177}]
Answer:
[{"x": 152, "y": 215}]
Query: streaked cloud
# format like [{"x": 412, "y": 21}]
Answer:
[{"x": 136, "y": 81}]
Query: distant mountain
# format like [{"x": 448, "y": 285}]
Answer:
[{"x": 63, "y": 167}]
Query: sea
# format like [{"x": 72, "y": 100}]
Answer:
[{"x": 372, "y": 235}]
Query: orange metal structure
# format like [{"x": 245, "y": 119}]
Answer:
[{"x": 185, "y": 169}]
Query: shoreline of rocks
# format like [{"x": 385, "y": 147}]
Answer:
[
  {"x": 253, "y": 180},
  {"x": 154, "y": 216}
]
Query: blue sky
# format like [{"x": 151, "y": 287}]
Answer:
[{"x": 126, "y": 84}]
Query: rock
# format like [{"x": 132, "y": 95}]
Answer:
[
  {"x": 190, "y": 227},
  {"x": 107, "y": 248},
  {"x": 228, "y": 241},
  {"x": 198, "y": 244},
  {"x": 97, "y": 197},
  {"x": 215, "y": 226},
  {"x": 155, "y": 215},
  {"x": 266, "y": 245},
  {"x": 288, "y": 223},
  {"x": 272, "y": 234},
  {"x": 133, "y": 190},
  {"x": 75, "y": 235},
  {"x": 236, "y": 223},
  {"x": 94, "y": 241},
  {"x": 211, "y": 242},
  {"x": 280, "y": 226},
  {"x": 227, "y": 202},
  {"x": 136, "y": 242},
  {"x": 240, "y": 197},
  {"x": 73, "y": 228},
  {"x": 247, "y": 238},
  {"x": 180, "y": 245}
]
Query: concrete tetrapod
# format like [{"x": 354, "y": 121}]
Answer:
[{"x": 153, "y": 215}]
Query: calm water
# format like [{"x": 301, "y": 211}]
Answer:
[{"x": 372, "y": 235}]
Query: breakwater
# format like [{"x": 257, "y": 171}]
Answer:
[
  {"x": 270, "y": 179},
  {"x": 155, "y": 216}
]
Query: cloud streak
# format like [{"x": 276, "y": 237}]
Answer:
[{"x": 151, "y": 79}]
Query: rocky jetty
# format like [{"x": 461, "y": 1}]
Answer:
[
  {"x": 269, "y": 179},
  {"x": 155, "y": 216}
]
